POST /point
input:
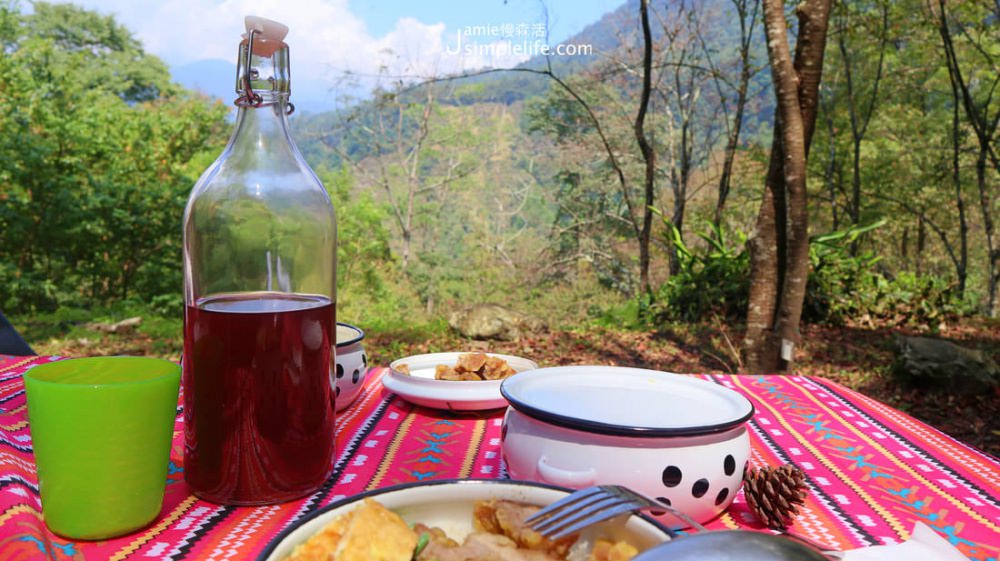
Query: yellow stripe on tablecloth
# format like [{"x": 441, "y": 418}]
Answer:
[
  {"x": 155, "y": 530},
  {"x": 885, "y": 514},
  {"x": 19, "y": 509},
  {"x": 728, "y": 521},
  {"x": 390, "y": 454},
  {"x": 17, "y": 364},
  {"x": 474, "y": 443},
  {"x": 18, "y": 425},
  {"x": 912, "y": 472}
]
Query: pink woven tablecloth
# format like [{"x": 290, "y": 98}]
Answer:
[{"x": 873, "y": 472}]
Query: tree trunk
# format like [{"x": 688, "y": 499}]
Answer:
[
  {"x": 830, "y": 171},
  {"x": 985, "y": 128},
  {"x": 770, "y": 344},
  {"x": 733, "y": 138},
  {"x": 921, "y": 244},
  {"x": 648, "y": 155},
  {"x": 859, "y": 118},
  {"x": 992, "y": 251},
  {"x": 962, "y": 268},
  {"x": 765, "y": 271}
]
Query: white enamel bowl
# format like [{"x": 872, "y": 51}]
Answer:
[
  {"x": 676, "y": 438},
  {"x": 351, "y": 365},
  {"x": 448, "y": 504},
  {"x": 420, "y": 387}
]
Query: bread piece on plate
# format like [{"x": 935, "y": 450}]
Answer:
[{"x": 370, "y": 532}]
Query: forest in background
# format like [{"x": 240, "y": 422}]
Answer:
[{"x": 521, "y": 187}]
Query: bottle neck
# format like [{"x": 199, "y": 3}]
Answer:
[{"x": 263, "y": 128}]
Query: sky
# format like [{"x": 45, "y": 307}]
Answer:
[{"x": 328, "y": 38}]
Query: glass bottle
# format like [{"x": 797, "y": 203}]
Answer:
[{"x": 260, "y": 301}]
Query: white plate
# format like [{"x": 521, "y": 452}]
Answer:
[
  {"x": 626, "y": 401},
  {"x": 421, "y": 388},
  {"x": 448, "y": 504}
]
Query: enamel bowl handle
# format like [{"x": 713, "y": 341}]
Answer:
[{"x": 564, "y": 477}]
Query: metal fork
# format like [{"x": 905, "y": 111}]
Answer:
[
  {"x": 591, "y": 505},
  {"x": 595, "y": 504}
]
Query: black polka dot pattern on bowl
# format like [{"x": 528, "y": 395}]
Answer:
[
  {"x": 340, "y": 371},
  {"x": 672, "y": 476},
  {"x": 699, "y": 488},
  {"x": 722, "y": 496}
]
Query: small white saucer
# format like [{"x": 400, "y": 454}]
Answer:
[{"x": 420, "y": 387}]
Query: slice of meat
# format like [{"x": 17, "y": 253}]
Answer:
[
  {"x": 507, "y": 518},
  {"x": 482, "y": 546}
]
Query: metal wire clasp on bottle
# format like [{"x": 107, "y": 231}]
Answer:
[{"x": 251, "y": 98}]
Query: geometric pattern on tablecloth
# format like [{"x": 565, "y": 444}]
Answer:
[
  {"x": 383, "y": 441},
  {"x": 954, "y": 491},
  {"x": 371, "y": 446}
]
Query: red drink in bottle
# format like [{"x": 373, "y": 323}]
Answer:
[{"x": 259, "y": 425}]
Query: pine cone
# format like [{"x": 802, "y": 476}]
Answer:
[{"x": 773, "y": 493}]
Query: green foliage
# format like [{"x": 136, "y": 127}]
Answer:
[
  {"x": 95, "y": 161},
  {"x": 712, "y": 280},
  {"x": 848, "y": 285},
  {"x": 501, "y": 190},
  {"x": 842, "y": 283},
  {"x": 626, "y": 315}
]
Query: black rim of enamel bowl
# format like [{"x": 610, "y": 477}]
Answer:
[
  {"x": 360, "y": 335},
  {"x": 599, "y": 427}
]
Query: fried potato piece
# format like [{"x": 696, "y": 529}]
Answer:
[
  {"x": 475, "y": 367},
  {"x": 605, "y": 550},
  {"x": 471, "y": 362},
  {"x": 370, "y": 532},
  {"x": 497, "y": 368},
  {"x": 445, "y": 372},
  {"x": 507, "y": 518}
]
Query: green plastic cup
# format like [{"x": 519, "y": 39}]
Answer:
[{"x": 101, "y": 429}]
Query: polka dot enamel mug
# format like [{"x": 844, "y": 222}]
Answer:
[{"x": 676, "y": 438}]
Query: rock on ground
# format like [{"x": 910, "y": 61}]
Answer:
[
  {"x": 493, "y": 321},
  {"x": 938, "y": 365}
]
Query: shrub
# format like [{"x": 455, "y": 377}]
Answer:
[
  {"x": 712, "y": 280},
  {"x": 847, "y": 286}
]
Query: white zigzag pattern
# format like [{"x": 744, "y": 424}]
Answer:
[
  {"x": 351, "y": 445},
  {"x": 20, "y": 480},
  {"x": 759, "y": 460},
  {"x": 246, "y": 528},
  {"x": 808, "y": 523},
  {"x": 345, "y": 415},
  {"x": 8, "y": 458},
  {"x": 829, "y": 506},
  {"x": 946, "y": 445},
  {"x": 195, "y": 520}
]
